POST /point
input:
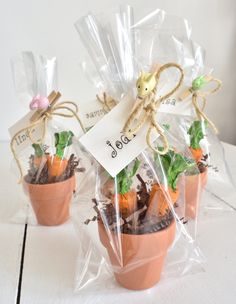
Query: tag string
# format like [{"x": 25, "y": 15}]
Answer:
[
  {"x": 146, "y": 110},
  {"x": 199, "y": 95},
  {"x": 40, "y": 119},
  {"x": 108, "y": 103}
]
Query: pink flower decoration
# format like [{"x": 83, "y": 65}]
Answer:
[{"x": 39, "y": 103}]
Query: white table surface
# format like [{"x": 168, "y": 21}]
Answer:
[{"x": 50, "y": 258}]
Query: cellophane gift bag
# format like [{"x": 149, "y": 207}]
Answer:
[
  {"x": 139, "y": 221},
  {"x": 47, "y": 158},
  {"x": 120, "y": 46},
  {"x": 161, "y": 37}
]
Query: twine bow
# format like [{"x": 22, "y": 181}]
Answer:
[
  {"x": 199, "y": 94},
  {"x": 40, "y": 119},
  {"x": 147, "y": 108}
]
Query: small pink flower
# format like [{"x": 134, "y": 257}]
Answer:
[{"x": 39, "y": 103}]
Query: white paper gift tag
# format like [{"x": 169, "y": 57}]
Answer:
[
  {"x": 91, "y": 113},
  {"x": 173, "y": 105},
  {"x": 109, "y": 146},
  {"x": 22, "y": 140}
]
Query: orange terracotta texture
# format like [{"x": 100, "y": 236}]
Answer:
[
  {"x": 138, "y": 261},
  {"x": 51, "y": 202},
  {"x": 194, "y": 185},
  {"x": 159, "y": 197},
  {"x": 127, "y": 202}
]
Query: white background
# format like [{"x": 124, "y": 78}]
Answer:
[{"x": 46, "y": 27}]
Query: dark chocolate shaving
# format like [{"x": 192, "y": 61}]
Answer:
[
  {"x": 201, "y": 167},
  {"x": 138, "y": 222},
  {"x": 143, "y": 195},
  {"x": 40, "y": 175},
  {"x": 90, "y": 220}
]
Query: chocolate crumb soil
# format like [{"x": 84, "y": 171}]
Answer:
[
  {"x": 41, "y": 177},
  {"x": 137, "y": 223},
  {"x": 201, "y": 167}
]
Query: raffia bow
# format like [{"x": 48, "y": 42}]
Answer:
[
  {"x": 107, "y": 102},
  {"x": 198, "y": 94},
  {"x": 147, "y": 108},
  {"x": 40, "y": 119}
]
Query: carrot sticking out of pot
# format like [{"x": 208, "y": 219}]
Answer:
[
  {"x": 158, "y": 200},
  {"x": 58, "y": 163},
  {"x": 173, "y": 164},
  {"x": 196, "y": 132},
  {"x": 126, "y": 198},
  {"x": 56, "y": 166},
  {"x": 39, "y": 155},
  {"x": 197, "y": 154},
  {"x": 127, "y": 202}
]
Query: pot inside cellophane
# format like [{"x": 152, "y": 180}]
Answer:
[
  {"x": 47, "y": 156},
  {"x": 155, "y": 200},
  {"x": 141, "y": 225},
  {"x": 208, "y": 153}
]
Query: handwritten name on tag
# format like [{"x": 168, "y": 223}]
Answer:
[
  {"x": 173, "y": 105},
  {"x": 91, "y": 113},
  {"x": 22, "y": 140},
  {"x": 109, "y": 146},
  {"x": 105, "y": 140}
]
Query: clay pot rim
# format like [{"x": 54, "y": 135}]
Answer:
[
  {"x": 48, "y": 184},
  {"x": 141, "y": 235}
]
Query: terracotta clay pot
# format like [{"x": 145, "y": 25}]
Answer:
[
  {"x": 138, "y": 262},
  {"x": 158, "y": 201},
  {"x": 51, "y": 202},
  {"x": 194, "y": 185}
]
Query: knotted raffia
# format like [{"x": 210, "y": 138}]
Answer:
[
  {"x": 200, "y": 95},
  {"x": 40, "y": 119},
  {"x": 108, "y": 103},
  {"x": 147, "y": 108}
]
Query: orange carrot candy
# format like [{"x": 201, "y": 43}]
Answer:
[
  {"x": 126, "y": 197},
  {"x": 57, "y": 163},
  {"x": 173, "y": 165},
  {"x": 39, "y": 158},
  {"x": 196, "y": 132}
]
